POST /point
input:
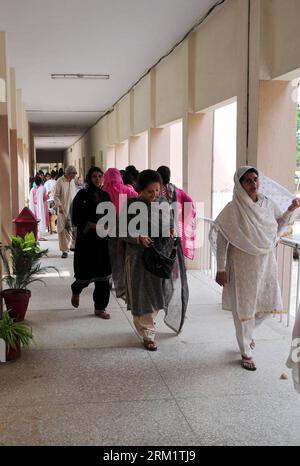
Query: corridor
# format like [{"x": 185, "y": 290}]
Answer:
[
  {"x": 87, "y": 381},
  {"x": 203, "y": 90}
]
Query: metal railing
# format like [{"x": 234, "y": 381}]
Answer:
[{"x": 288, "y": 269}]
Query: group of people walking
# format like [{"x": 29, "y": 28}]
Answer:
[
  {"x": 51, "y": 196},
  {"x": 120, "y": 252},
  {"x": 244, "y": 237}
]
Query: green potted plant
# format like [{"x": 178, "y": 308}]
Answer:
[
  {"x": 15, "y": 335},
  {"x": 21, "y": 260}
]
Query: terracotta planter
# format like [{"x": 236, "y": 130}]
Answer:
[
  {"x": 16, "y": 303},
  {"x": 13, "y": 354}
]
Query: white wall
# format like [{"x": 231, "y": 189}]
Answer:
[
  {"x": 176, "y": 153},
  {"x": 122, "y": 155},
  {"x": 224, "y": 156}
]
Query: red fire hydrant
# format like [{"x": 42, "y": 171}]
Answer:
[{"x": 26, "y": 222}]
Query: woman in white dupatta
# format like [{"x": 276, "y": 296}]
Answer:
[
  {"x": 245, "y": 235},
  {"x": 38, "y": 205}
]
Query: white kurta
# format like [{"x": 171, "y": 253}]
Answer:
[
  {"x": 252, "y": 283},
  {"x": 65, "y": 192},
  {"x": 37, "y": 199},
  {"x": 244, "y": 235},
  {"x": 50, "y": 186}
]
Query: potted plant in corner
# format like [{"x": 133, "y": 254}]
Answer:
[
  {"x": 15, "y": 335},
  {"x": 21, "y": 260}
]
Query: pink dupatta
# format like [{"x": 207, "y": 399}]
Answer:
[
  {"x": 114, "y": 186},
  {"x": 186, "y": 222}
]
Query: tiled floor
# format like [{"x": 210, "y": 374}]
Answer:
[{"x": 87, "y": 381}]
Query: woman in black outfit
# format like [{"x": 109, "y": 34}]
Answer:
[{"x": 91, "y": 257}]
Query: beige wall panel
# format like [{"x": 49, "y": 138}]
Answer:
[
  {"x": 285, "y": 16},
  {"x": 93, "y": 141},
  {"x": 217, "y": 54},
  {"x": 171, "y": 86},
  {"x": 99, "y": 137},
  {"x": 265, "y": 39},
  {"x": 124, "y": 118},
  {"x": 112, "y": 127},
  {"x": 102, "y": 133},
  {"x": 276, "y": 152},
  {"x": 142, "y": 106}
]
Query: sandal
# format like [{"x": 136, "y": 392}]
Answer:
[
  {"x": 248, "y": 363},
  {"x": 150, "y": 345},
  {"x": 102, "y": 314}
]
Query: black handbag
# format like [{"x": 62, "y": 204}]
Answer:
[{"x": 158, "y": 263}]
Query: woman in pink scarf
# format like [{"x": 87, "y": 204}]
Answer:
[{"x": 118, "y": 192}]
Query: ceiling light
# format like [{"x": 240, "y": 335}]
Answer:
[
  {"x": 65, "y": 111},
  {"x": 79, "y": 76}
]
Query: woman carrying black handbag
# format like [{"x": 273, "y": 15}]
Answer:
[{"x": 147, "y": 292}]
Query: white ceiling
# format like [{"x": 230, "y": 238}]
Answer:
[{"x": 122, "y": 38}]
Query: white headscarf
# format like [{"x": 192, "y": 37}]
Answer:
[{"x": 247, "y": 225}]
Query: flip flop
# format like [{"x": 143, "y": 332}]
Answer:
[{"x": 248, "y": 364}]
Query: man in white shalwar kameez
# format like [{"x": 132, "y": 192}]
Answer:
[
  {"x": 246, "y": 233},
  {"x": 65, "y": 192}
]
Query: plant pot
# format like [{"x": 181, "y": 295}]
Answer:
[
  {"x": 16, "y": 303},
  {"x": 12, "y": 354}
]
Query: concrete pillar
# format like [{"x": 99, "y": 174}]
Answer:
[
  {"x": 25, "y": 128},
  {"x": 159, "y": 147},
  {"x": 276, "y": 137},
  {"x": 273, "y": 150},
  {"x": 110, "y": 157},
  {"x": 5, "y": 169},
  {"x": 197, "y": 169},
  {"x": 200, "y": 157},
  {"x": 176, "y": 153},
  {"x": 20, "y": 148},
  {"x": 13, "y": 143},
  {"x": 122, "y": 155},
  {"x": 138, "y": 151}
]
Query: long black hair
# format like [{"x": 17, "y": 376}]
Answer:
[
  {"x": 88, "y": 178},
  {"x": 165, "y": 174},
  {"x": 147, "y": 177}
]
